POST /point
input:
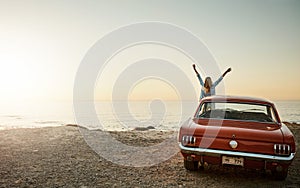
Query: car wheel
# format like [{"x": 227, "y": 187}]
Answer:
[
  {"x": 191, "y": 165},
  {"x": 280, "y": 175}
]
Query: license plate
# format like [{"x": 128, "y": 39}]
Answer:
[{"x": 238, "y": 161}]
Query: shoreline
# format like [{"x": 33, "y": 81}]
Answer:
[
  {"x": 60, "y": 157},
  {"x": 149, "y": 128}
]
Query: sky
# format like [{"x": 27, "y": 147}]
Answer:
[{"x": 43, "y": 43}]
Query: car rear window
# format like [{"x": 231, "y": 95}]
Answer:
[{"x": 237, "y": 111}]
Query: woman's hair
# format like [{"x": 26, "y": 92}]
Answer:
[{"x": 207, "y": 84}]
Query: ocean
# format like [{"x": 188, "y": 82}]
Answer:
[{"x": 116, "y": 116}]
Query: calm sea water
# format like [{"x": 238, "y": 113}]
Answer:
[{"x": 117, "y": 116}]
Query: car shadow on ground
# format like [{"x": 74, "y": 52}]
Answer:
[{"x": 240, "y": 177}]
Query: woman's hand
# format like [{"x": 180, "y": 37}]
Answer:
[
  {"x": 194, "y": 67},
  {"x": 227, "y": 71}
]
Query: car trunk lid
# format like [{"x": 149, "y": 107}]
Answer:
[{"x": 239, "y": 130}]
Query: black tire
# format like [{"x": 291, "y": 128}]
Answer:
[
  {"x": 280, "y": 175},
  {"x": 191, "y": 165},
  {"x": 201, "y": 167}
]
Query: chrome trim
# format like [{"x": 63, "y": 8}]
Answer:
[{"x": 207, "y": 151}]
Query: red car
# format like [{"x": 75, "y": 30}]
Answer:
[{"x": 237, "y": 131}]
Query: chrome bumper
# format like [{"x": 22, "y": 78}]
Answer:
[{"x": 214, "y": 152}]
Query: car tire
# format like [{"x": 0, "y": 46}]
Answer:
[
  {"x": 280, "y": 175},
  {"x": 191, "y": 165}
]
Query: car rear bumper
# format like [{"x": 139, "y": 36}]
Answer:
[{"x": 219, "y": 153}]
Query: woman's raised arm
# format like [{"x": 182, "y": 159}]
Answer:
[
  {"x": 198, "y": 75},
  {"x": 227, "y": 71}
]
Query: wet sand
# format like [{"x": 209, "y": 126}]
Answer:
[{"x": 60, "y": 157}]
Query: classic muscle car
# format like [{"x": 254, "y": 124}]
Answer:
[{"x": 237, "y": 131}]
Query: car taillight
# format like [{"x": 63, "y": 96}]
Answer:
[
  {"x": 282, "y": 149},
  {"x": 188, "y": 140}
]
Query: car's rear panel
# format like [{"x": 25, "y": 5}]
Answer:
[
  {"x": 246, "y": 143},
  {"x": 251, "y": 137}
]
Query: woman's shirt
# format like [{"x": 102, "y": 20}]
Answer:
[{"x": 212, "y": 89}]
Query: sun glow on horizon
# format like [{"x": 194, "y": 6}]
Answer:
[{"x": 43, "y": 43}]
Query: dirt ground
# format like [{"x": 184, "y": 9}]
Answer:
[{"x": 60, "y": 157}]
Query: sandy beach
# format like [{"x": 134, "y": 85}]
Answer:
[{"x": 60, "y": 157}]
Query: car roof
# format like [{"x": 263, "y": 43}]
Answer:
[{"x": 241, "y": 99}]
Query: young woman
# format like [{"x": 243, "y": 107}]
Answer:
[{"x": 208, "y": 87}]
